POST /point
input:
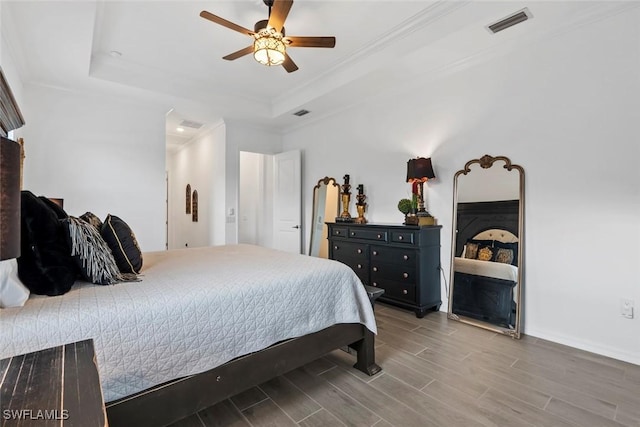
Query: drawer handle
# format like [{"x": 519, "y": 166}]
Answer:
[
  {"x": 353, "y": 233},
  {"x": 375, "y": 268},
  {"x": 404, "y": 292},
  {"x": 405, "y": 257},
  {"x": 359, "y": 265},
  {"x": 375, "y": 253},
  {"x": 405, "y": 275},
  {"x": 337, "y": 232},
  {"x": 375, "y": 284},
  {"x": 359, "y": 251},
  {"x": 379, "y": 236},
  {"x": 400, "y": 238},
  {"x": 336, "y": 248}
]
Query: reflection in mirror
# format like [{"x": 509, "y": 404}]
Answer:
[
  {"x": 487, "y": 259},
  {"x": 326, "y": 196}
]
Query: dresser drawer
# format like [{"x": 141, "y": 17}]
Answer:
[
  {"x": 361, "y": 268},
  {"x": 359, "y": 233},
  {"x": 340, "y": 231},
  {"x": 342, "y": 250},
  {"x": 398, "y": 273},
  {"x": 407, "y": 237},
  {"x": 398, "y": 291},
  {"x": 405, "y": 257}
]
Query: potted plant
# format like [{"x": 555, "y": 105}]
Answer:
[{"x": 408, "y": 208}]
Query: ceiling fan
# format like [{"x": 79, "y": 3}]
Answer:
[{"x": 270, "y": 43}]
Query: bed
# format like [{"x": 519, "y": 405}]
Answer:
[
  {"x": 202, "y": 325},
  {"x": 485, "y": 289}
]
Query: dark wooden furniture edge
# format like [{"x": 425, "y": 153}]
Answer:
[
  {"x": 172, "y": 401},
  {"x": 55, "y": 386}
]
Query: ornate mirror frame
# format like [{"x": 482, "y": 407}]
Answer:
[
  {"x": 487, "y": 162},
  {"x": 318, "y": 217}
]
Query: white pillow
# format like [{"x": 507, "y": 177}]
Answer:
[{"x": 12, "y": 292}]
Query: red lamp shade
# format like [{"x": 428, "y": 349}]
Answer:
[
  {"x": 9, "y": 199},
  {"x": 419, "y": 169}
]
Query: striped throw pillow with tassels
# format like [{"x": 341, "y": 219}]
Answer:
[{"x": 92, "y": 254}]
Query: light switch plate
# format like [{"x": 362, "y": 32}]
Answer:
[{"x": 626, "y": 308}]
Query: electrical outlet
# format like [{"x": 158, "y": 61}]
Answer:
[{"x": 626, "y": 308}]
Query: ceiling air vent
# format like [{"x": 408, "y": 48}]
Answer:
[
  {"x": 301, "y": 113},
  {"x": 510, "y": 21},
  {"x": 190, "y": 124}
]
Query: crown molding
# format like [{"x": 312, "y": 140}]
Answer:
[
  {"x": 430, "y": 14},
  {"x": 598, "y": 12}
]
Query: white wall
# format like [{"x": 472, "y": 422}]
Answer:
[
  {"x": 567, "y": 110},
  {"x": 199, "y": 163},
  {"x": 243, "y": 137},
  {"x": 99, "y": 154}
]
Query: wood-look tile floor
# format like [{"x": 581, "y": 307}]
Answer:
[{"x": 437, "y": 372}]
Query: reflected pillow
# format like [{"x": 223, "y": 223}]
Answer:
[
  {"x": 473, "y": 246},
  {"x": 471, "y": 250},
  {"x": 485, "y": 253},
  {"x": 504, "y": 256},
  {"x": 512, "y": 246}
]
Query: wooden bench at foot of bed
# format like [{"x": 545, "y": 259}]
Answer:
[{"x": 172, "y": 401}]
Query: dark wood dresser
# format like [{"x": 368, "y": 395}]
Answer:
[
  {"x": 403, "y": 260},
  {"x": 58, "y": 386}
]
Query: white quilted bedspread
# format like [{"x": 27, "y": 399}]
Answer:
[{"x": 195, "y": 309}]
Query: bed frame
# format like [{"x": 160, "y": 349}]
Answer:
[
  {"x": 484, "y": 298},
  {"x": 174, "y": 400}
]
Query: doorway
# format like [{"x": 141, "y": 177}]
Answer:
[{"x": 269, "y": 200}]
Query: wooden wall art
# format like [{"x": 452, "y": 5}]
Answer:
[
  {"x": 194, "y": 206},
  {"x": 188, "y": 199}
]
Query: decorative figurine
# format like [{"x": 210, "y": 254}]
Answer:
[
  {"x": 345, "y": 216},
  {"x": 361, "y": 206}
]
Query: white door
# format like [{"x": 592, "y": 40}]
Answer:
[{"x": 287, "y": 210}]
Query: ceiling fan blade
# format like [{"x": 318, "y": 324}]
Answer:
[
  {"x": 288, "y": 64},
  {"x": 279, "y": 12},
  {"x": 242, "y": 52},
  {"x": 221, "y": 21},
  {"x": 295, "y": 41}
]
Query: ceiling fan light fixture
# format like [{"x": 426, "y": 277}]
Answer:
[{"x": 269, "y": 49}]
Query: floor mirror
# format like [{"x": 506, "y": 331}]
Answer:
[
  {"x": 326, "y": 199},
  {"x": 487, "y": 256}
]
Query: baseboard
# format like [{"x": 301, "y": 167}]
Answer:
[{"x": 586, "y": 346}]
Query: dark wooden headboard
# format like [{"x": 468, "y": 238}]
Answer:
[{"x": 474, "y": 218}]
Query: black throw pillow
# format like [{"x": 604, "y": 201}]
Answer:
[
  {"x": 45, "y": 265},
  {"x": 123, "y": 244},
  {"x": 60, "y": 213}
]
